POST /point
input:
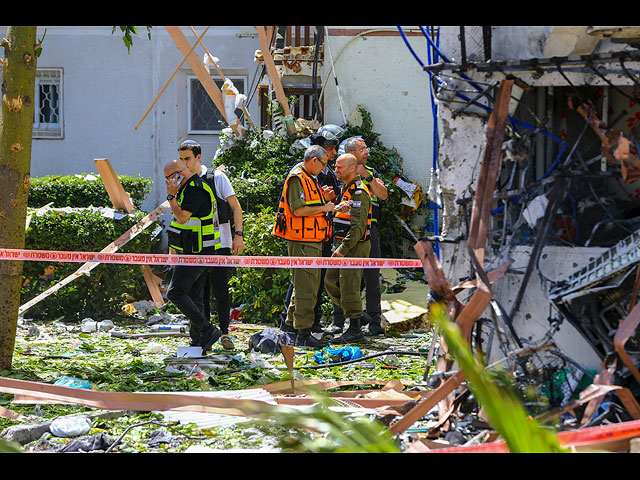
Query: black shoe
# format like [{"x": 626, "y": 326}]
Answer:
[
  {"x": 305, "y": 339},
  {"x": 334, "y": 329},
  {"x": 209, "y": 339},
  {"x": 374, "y": 329},
  {"x": 352, "y": 335},
  {"x": 285, "y": 327}
]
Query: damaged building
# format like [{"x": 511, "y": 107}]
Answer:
[{"x": 564, "y": 214}]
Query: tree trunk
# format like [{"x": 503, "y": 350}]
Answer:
[{"x": 16, "y": 127}]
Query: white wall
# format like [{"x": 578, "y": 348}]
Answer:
[{"x": 380, "y": 73}]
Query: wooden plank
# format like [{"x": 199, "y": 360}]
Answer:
[
  {"x": 198, "y": 68},
  {"x": 112, "y": 247},
  {"x": 275, "y": 78},
  {"x": 184, "y": 59},
  {"x": 119, "y": 198}
]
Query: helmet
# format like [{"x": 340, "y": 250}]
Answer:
[{"x": 327, "y": 135}]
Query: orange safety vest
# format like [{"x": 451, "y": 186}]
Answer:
[
  {"x": 312, "y": 228},
  {"x": 342, "y": 221}
]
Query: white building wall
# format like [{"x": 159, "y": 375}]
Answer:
[
  {"x": 107, "y": 91},
  {"x": 376, "y": 70}
]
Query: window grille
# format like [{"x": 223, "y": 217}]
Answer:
[
  {"x": 47, "y": 115},
  {"x": 204, "y": 116}
]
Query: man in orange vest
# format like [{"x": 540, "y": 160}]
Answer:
[
  {"x": 352, "y": 235},
  {"x": 302, "y": 219}
]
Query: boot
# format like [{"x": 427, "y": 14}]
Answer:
[
  {"x": 305, "y": 339},
  {"x": 335, "y": 328},
  {"x": 352, "y": 335},
  {"x": 374, "y": 328},
  {"x": 285, "y": 327}
]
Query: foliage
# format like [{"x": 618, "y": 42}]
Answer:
[
  {"x": 505, "y": 411},
  {"x": 126, "y": 34},
  {"x": 257, "y": 166},
  {"x": 80, "y": 191},
  {"x": 260, "y": 290},
  {"x": 103, "y": 292}
]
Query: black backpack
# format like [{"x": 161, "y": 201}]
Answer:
[{"x": 224, "y": 210}]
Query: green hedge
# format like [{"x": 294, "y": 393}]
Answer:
[
  {"x": 108, "y": 286},
  {"x": 78, "y": 191},
  {"x": 85, "y": 226}
]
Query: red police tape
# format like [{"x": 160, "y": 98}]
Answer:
[{"x": 205, "y": 260}]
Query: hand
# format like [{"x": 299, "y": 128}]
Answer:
[
  {"x": 238, "y": 245},
  {"x": 337, "y": 254},
  {"x": 329, "y": 193},
  {"x": 329, "y": 206},
  {"x": 172, "y": 185},
  {"x": 345, "y": 206}
]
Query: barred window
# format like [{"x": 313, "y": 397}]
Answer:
[
  {"x": 47, "y": 115},
  {"x": 204, "y": 116}
]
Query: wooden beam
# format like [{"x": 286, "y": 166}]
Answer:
[
  {"x": 199, "y": 69},
  {"x": 184, "y": 59},
  {"x": 275, "y": 78},
  {"x": 119, "y": 198}
]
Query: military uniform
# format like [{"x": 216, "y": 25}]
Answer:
[
  {"x": 305, "y": 236},
  {"x": 352, "y": 235},
  {"x": 373, "y": 309}
]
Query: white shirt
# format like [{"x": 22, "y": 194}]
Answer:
[{"x": 224, "y": 189}]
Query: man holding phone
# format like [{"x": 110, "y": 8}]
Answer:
[{"x": 194, "y": 230}]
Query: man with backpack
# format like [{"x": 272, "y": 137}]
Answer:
[{"x": 231, "y": 242}]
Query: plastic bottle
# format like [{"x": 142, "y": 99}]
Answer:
[{"x": 169, "y": 328}]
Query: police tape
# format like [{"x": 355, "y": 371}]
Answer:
[{"x": 205, "y": 260}]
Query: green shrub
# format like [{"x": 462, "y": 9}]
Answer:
[
  {"x": 99, "y": 294},
  {"x": 260, "y": 290},
  {"x": 77, "y": 191}
]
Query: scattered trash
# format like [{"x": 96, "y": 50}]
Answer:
[
  {"x": 70, "y": 426},
  {"x": 269, "y": 340},
  {"x": 337, "y": 355},
  {"x": 73, "y": 382},
  {"x": 154, "y": 347},
  {"x": 90, "y": 443}
]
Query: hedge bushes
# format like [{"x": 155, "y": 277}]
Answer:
[
  {"x": 101, "y": 293},
  {"x": 83, "y": 190}
]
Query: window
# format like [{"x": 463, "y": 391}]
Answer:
[
  {"x": 47, "y": 115},
  {"x": 204, "y": 116}
]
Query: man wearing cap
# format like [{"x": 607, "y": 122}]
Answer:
[
  {"x": 302, "y": 220},
  {"x": 228, "y": 207},
  {"x": 193, "y": 231},
  {"x": 328, "y": 138}
]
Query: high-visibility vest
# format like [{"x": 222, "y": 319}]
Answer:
[
  {"x": 197, "y": 233},
  {"x": 375, "y": 201},
  {"x": 312, "y": 228},
  {"x": 342, "y": 221}
]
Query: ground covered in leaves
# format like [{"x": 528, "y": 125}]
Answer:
[{"x": 59, "y": 351}]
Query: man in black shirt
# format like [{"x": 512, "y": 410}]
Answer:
[{"x": 193, "y": 231}]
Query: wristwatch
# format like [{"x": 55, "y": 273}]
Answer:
[
  {"x": 239, "y": 232},
  {"x": 169, "y": 197},
  {"x": 369, "y": 178}
]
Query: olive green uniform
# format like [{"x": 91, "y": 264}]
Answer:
[
  {"x": 343, "y": 284},
  {"x": 306, "y": 281}
]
